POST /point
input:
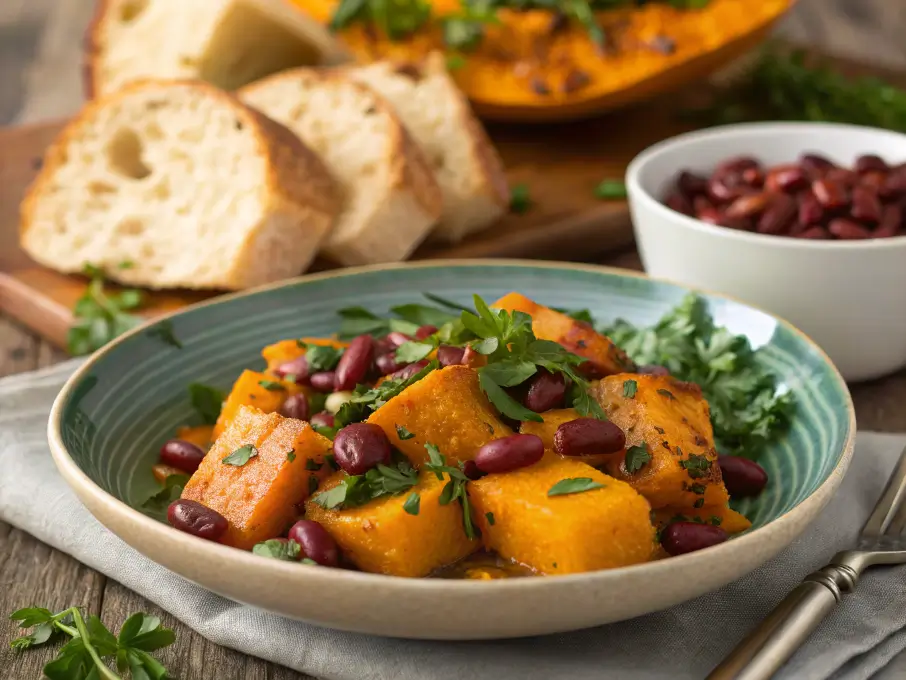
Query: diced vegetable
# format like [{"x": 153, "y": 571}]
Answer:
[
  {"x": 385, "y": 537},
  {"x": 287, "y": 350},
  {"x": 265, "y": 392},
  {"x": 604, "y": 527},
  {"x": 719, "y": 515},
  {"x": 258, "y": 470}
]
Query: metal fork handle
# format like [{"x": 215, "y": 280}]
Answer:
[{"x": 774, "y": 641}]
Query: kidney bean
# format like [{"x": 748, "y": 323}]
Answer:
[
  {"x": 424, "y": 331},
  {"x": 748, "y": 206},
  {"x": 873, "y": 180},
  {"x": 814, "y": 233},
  {"x": 894, "y": 185},
  {"x": 387, "y": 364},
  {"x": 736, "y": 166},
  {"x": 847, "y": 229},
  {"x": 689, "y": 184},
  {"x": 726, "y": 189},
  {"x": 711, "y": 216},
  {"x": 407, "y": 372},
  {"x": 323, "y": 382},
  {"x": 700, "y": 203},
  {"x": 676, "y": 201},
  {"x": 830, "y": 193},
  {"x": 754, "y": 177},
  {"x": 866, "y": 207},
  {"x": 315, "y": 542},
  {"x": 870, "y": 163},
  {"x": 779, "y": 216},
  {"x": 297, "y": 367},
  {"x": 354, "y": 363},
  {"x": 891, "y": 222},
  {"x": 510, "y": 453},
  {"x": 842, "y": 176},
  {"x": 738, "y": 223},
  {"x": 448, "y": 355},
  {"x": 742, "y": 477},
  {"x": 196, "y": 519},
  {"x": 588, "y": 436},
  {"x": 810, "y": 210},
  {"x": 788, "y": 178},
  {"x": 653, "y": 369},
  {"x": 323, "y": 419},
  {"x": 181, "y": 454},
  {"x": 680, "y": 538},
  {"x": 395, "y": 338},
  {"x": 470, "y": 470},
  {"x": 546, "y": 391},
  {"x": 358, "y": 447},
  {"x": 295, "y": 406},
  {"x": 815, "y": 166}
]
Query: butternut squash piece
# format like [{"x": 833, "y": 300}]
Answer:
[
  {"x": 725, "y": 517},
  {"x": 259, "y": 498},
  {"x": 382, "y": 538},
  {"x": 201, "y": 435},
  {"x": 546, "y": 431},
  {"x": 673, "y": 421},
  {"x": 446, "y": 408},
  {"x": 579, "y": 337},
  {"x": 287, "y": 350},
  {"x": 248, "y": 390},
  {"x": 602, "y": 528}
]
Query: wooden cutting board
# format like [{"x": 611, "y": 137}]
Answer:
[{"x": 560, "y": 163}]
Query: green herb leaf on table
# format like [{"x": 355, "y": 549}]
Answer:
[
  {"x": 572, "y": 485},
  {"x": 156, "y": 506},
  {"x": 637, "y": 457},
  {"x": 287, "y": 551},
  {"x": 412, "y": 504},
  {"x": 520, "y": 200},
  {"x": 241, "y": 456},
  {"x": 611, "y": 189},
  {"x": 322, "y": 358},
  {"x": 207, "y": 402},
  {"x": 99, "y": 316}
]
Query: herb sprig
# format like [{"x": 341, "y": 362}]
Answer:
[
  {"x": 99, "y": 316},
  {"x": 379, "y": 481},
  {"x": 454, "y": 489}
]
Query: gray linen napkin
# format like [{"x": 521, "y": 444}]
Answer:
[{"x": 861, "y": 636}]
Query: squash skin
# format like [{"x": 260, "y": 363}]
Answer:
[
  {"x": 553, "y": 419},
  {"x": 287, "y": 350},
  {"x": 673, "y": 428},
  {"x": 598, "y": 529},
  {"x": 579, "y": 337},
  {"x": 446, "y": 408},
  {"x": 730, "y": 521},
  {"x": 259, "y": 499},
  {"x": 382, "y": 538},
  {"x": 247, "y": 391}
]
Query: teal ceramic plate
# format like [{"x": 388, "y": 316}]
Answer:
[{"x": 113, "y": 415}]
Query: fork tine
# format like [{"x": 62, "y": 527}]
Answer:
[{"x": 890, "y": 501}]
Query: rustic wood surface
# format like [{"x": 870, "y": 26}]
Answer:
[{"x": 39, "y": 48}]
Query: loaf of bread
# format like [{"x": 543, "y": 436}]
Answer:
[
  {"x": 225, "y": 42},
  {"x": 181, "y": 179},
  {"x": 466, "y": 165},
  {"x": 391, "y": 199}
]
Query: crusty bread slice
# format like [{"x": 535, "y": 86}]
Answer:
[
  {"x": 194, "y": 188},
  {"x": 390, "y": 196},
  {"x": 225, "y": 42},
  {"x": 466, "y": 165}
]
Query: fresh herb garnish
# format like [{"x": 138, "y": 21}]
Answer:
[
  {"x": 291, "y": 457},
  {"x": 313, "y": 465},
  {"x": 322, "y": 358},
  {"x": 573, "y": 485},
  {"x": 240, "y": 456},
  {"x": 365, "y": 399},
  {"x": 207, "y": 402},
  {"x": 455, "y": 62},
  {"x": 279, "y": 550},
  {"x": 156, "y": 506},
  {"x": 412, "y": 504},
  {"x": 696, "y": 465},
  {"x": 748, "y": 408},
  {"x": 699, "y": 502},
  {"x": 308, "y": 560},
  {"x": 520, "y": 200},
  {"x": 355, "y": 490},
  {"x": 83, "y": 657},
  {"x": 698, "y": 488},
  {"x": 637, "y": 457},
  {"x": 410, "y": 352},
  {"x": 611, "y": 189},
  {"x": 312, "y": 484},
  {"x": 272, "y": 385},
  {"x": 397, "y": 20},
  {"x": 490, "y": 517},
  {"x": 454, "y": 489},
  {"x": 666, "y": 393},
  {"x": 100, "y": 316},
  {"x": 163, "y": 331},
  {"x": 403, "y": 433},
  {"x": 630, "y": 387}
]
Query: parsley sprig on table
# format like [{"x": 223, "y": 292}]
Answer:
[
  {"x": 748, "y": 408},
  {"x": 83, "y": 657},
  {"x": 100, "y": 316}
]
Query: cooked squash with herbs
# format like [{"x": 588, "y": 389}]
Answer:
[
  {"x": 265, "y": 392},
  {"x": 546, "y": 430},
  {"x": 717, "y": 515},
  {"x": 287, "y": 350}
]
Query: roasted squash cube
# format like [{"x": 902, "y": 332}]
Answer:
[
  {"x": 264, "y": 392},
  {"x": 579, "y": 337},
  {"x": 446, "y": 408},
  {"x": 598, "y": 529},
  {"x": 721, "y": 515},
  {"x": 200, "y": 435},
  {"x": 672, "y": 421},
  {"x": 259, "y": 498},
  {"x": 546, "y": 431},
  {"x": 287, "y": 350},
  {"x": 382, "y": 538}
]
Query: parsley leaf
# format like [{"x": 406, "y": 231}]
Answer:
[
  {"x": 611, "y": 189},
  {"x": 630, "y": 387},
  {"x": 156, "y": 506},
  {"x": 696, "y": 465},
  {"x": 241, "y": 456},
  {"x": 490, "y": 517},
  {"x": 287, "y": 551},
  {"x": 365, "y": 400},
  {"x": 520, "y": 200},
  {"x": 403, "y": 433},
  {"x": 572, "y": 485},
  {"x": 412, "y": 504},
  {"x": 410, "y": 352},
  {"x": 207, "y": 401},
  {"x": 455, "y": 488},
  {"x": 322, "y": 358},
  {"x": 503, "y": 402},
  {"x": 637, "y": 457},
  {"x": 100, "y": 316},
  {"x": 163, "y": 331},
  {"x": 272, "y": 385},
  {"x": 355, "y": 490}
]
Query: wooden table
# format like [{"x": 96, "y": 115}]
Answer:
[{"x": 39, "y": 56}]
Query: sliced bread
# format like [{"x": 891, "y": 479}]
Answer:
[
  {"x": 225, "y": 42},
  {"x": 194, "y": 188},
  {"x": 390, "y": 196},
  {"x": 464, "y": 161}
]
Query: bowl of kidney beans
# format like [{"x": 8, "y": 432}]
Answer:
[{"x": 805, "y": 220}]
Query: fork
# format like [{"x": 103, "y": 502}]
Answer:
[{"x": 774, "y": 641}]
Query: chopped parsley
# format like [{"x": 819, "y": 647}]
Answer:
[
  {"x": 490, "y": 517},
  {"x": 696, "y": 465},
  {"x": 630, "y": 387},
  {"x": 637, "y": 457},
  {"x": 241, "y": 456},
  {"x": 520, "y": 200},
  {"x": 666, "y": 393},
  {"x": 313, "y": 465},
  {"x": 322, "y": 358},
  {"x": 207, "y": 402},
  {"x": 272, "y": 385},
  {"x": 572, "y": 485},
  {"x": 279, "y": 550},
  {"x": 403, "y": 433},
  {"x": 454, "y": 489},
  {"x": 412, "y": 504},
  {"x": 356, "y": 490},
  {"x": 291, "y": 456},
  {"x": 368, "y": 399}
]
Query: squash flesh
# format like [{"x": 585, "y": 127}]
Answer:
[
  {"x": 248, "y": 391},
  {"x": 730, "y": 521},
  {"x": 287, "y": 350}
]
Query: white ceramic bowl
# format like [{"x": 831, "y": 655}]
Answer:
[{"x": 849, "y": 296}]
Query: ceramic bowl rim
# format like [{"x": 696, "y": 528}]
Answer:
[
  {"x": 689, "y": 140},
  {"x": 212, "y": 552}
]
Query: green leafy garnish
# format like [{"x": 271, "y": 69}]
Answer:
[
  {"x": 207, "y": 402},
  {"x": 455, "y": 62},
  {"x": 291, "y": 457},
  {"x": 278, "y": 550},
  {"x": 410, "y": 352},
  {"x": 241, "y": 456},
  {"x": 322, "y": 358},
  {"x": 83, "y": 657},
  {"x": 696, "y": 465},
  {"x": 454, "y": 489},
  {"x": 100, "y": 316},
  {"x": 163, "y": 331},
  {"x": 637, "y": 457},
  {"x": 403, "y": 433},
  {"x": 355, "y": 490},
  {"x": 611, "y": 189},
  {"x": 490, "y": 517},
  {"x": 397, "y": 20},
  {"x": 156, "y": 506},
  {"x": 272, "y": 385},
  {"x": 313, "y": 465},
  {"x": 630, "y": 387},
  {"x": 520, "y": 200},
  {"x": 667, "y": 393},
  {"x": 573, "y": 485},
  {"x": 365, "y": 399},
  {"x": 748, "y": 408},
  {"x": 412, "y": 504}
]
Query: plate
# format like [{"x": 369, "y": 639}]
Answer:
[{"x": 115, "y": 412}]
